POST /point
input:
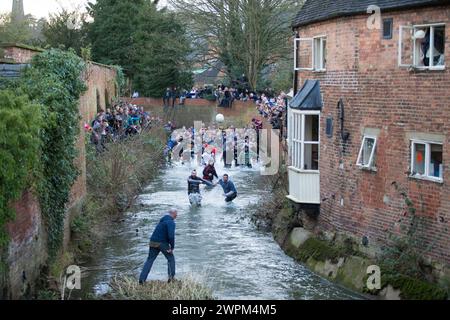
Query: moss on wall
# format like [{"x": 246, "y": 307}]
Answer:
[
  {"x": 414, "y": 289},
  {"x": 320, "y": 250},
  {"x": 282, "y": 224},
  {"x": 340, "y": 263}
]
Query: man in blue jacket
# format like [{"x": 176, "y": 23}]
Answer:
[
  {"x": 228, "y": 188},
  {"x": 162, "y": 240}
]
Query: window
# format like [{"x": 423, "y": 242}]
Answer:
[
  {"x": 310, "y": 53},
  {"x": 415, "y": 49},
  {"x": 320, "y": 51},
  {"x": 304, "y": 140},
  {"x": 387, "y": 28},
  {"x": 366, "y": 157},
  {"x": 426, "y": 160}
]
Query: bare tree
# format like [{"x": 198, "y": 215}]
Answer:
[{"x": 246, "y": 35}]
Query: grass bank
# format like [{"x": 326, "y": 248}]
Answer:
[
  {"x": 115, "y": 178},
  {"x": 188, "y": 288}
]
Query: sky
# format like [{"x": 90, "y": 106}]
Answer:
[{"x": 42, "y": 8}]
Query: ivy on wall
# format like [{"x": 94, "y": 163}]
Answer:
[
  {"x": 120, "y": 81},
  {"x": 54, "y": 80},
  {"x": 20, "y": 123}
]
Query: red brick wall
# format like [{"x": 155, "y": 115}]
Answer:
[
  {"x": 155, "y": 102},
  {"x": 19, "y": 55},
  {"x": 244, "y": 110},
  {"x": 28, "y": 250},
  {"x": 101, "y": 83},
  {"x": 362, "y": 69},
  {"x": 100, "y": 80}
]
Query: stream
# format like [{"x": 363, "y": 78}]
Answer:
[{"x": 216, "y": 243}]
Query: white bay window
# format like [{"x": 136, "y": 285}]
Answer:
[
  {"x": 304, "y": 140},
  {"x": 304, "y": 148}
]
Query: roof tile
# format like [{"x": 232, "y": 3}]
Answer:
[{"x": 320, "y": 10}]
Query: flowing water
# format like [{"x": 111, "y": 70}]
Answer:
[{"x": 216, "y": 242}]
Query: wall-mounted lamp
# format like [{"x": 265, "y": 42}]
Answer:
[{"x": 344, "y": 135}]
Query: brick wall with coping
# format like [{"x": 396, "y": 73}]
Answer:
[
  {"x": 18, "y": 53},
  {"x": 27, "y": 249},
  {"x": 362, "y": 69}
]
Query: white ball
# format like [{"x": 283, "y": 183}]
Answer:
[
  {"x": 420, "y": 34},
  {"x": 220, "y": 118}
]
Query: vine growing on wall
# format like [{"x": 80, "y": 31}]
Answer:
[
  {"x": 405, "y": 254},
  {"x": 20, "y": 122},
  {"x": 55, "y": 81},
  {"x": 120, "y": 80}
]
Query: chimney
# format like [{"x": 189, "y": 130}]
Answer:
[{"x": 17, "y": 13}]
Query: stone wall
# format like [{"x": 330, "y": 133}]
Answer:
[{"x": 398, "y": 104}]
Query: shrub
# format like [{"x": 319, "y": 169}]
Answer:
[
  {"x": 117, "y": 174},
  {"x": 20, "y": 121},
  {"x": 55, "y": 81}
]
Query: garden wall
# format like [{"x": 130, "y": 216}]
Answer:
[{"x": 27, "y": 252}]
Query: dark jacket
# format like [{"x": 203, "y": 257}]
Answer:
[
  {"x": 194, "y": 184},
  {"x": 168, "y": 94},
  {"x": 165, "y": 231},
  {"x": 209, "y": 173},
  {"x": 228, "y": 186},
  {"x": 172, "y": 144}
]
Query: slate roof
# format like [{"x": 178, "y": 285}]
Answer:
[
  {"x": 320, "y": 10},
  {"x": 309, "y": 97}
]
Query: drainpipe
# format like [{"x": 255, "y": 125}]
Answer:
[
  {"x": 297, "y": 35},
  {"x": 344, "y": 134}
]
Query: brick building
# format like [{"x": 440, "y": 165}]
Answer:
[
  {"x": 369, "y": 129},
  {"x": 27, "y": 249}
]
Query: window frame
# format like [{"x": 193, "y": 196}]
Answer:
[
  {"x": 371, "y": 165},
  {"x": 413, "y": 29},
  {"x": 321, "y": 63},
  {"x": 426, "y": 175},
  {"x": 312, "y": 42},
  {"x": 391, "y": 34},
  {"x": 294, "y": 143},
  {"x": 297, "y": 44}
]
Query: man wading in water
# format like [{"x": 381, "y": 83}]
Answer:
[
  {"x": 228, "y": 188},
  {"x": 194, "y": 183},
  {"x": 162, "y": 240}
]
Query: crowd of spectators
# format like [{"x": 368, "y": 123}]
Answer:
[
  {"x": 119, "y": 122},
  {"x": 273, "y": 109}
]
